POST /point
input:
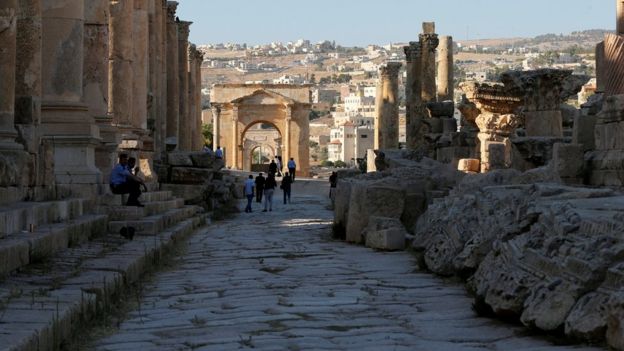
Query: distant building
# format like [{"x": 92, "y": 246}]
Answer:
[
  {"x": 350, "y": 142},
  {"x": 359, "y": 103},
  {"x": 325, "y": 95},
  {"x": 288, "y": 79}
]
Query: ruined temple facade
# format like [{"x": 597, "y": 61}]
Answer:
[{"x": 84, "y": 80}]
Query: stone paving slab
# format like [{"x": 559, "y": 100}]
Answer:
[{"x": 277, "y": 281}]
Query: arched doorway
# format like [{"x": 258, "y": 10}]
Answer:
[
  {"x": 262, "y": 142},
  {"x": 237, "y": 107}
]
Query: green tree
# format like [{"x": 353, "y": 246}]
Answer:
[
  {"x": 340, "y": 164},
  {"x": 207, "y": 133}
]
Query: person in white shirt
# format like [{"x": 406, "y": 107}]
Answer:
[{"x": 249, "y": 192}]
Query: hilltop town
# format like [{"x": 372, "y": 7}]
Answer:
[{"x": 343, "y": 78}]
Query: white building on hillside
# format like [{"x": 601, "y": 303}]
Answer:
[
  {"x": 350, "y": 142},
  {"x": 359, "y": 103}
]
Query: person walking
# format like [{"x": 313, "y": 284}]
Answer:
[
  {"x": 333, "y": 183},
  {"x": 272, "y": 168},
  {"x": 219, "y": 153},
  {"x": 259, "y": 187},
  {"x": 286, "y": 182},
  {"x": 269, "y": 188},
  {"x": 292, "y": 166},
  {"x": 278, "y": 162},
  {"x": 249, "y": 192}
]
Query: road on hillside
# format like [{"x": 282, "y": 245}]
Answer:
[{"x": 277, "y": 281}]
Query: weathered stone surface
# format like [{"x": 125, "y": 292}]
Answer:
[
  {"x": 546, "y": 254},
  {"x": 469, "y": 165},
  {"x": 190, "y": 175},
  {"x": 202, "y": 160},
  {"x": 385, "y": 234},
  {"x": 181, "y": 159}
]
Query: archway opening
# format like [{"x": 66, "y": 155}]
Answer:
[{"x": 262, "y": 143}]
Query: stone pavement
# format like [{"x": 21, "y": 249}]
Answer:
[{"x": 277, "y": 281}]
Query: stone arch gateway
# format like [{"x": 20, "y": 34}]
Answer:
[{"x": 236, "y": 107}]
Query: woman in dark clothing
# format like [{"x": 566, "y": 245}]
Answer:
[{"x": 286, "y": 186}]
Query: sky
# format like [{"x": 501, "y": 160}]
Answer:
[{"x": 363, "y": 22}]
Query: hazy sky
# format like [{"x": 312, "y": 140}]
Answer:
[{"x": 361, "y": 22}]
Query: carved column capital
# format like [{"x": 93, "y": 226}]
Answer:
[
  {"x": 429, "y": 42},
  {"x": 184, "y": 29},
  {"x": 390, "y": 70},
  {"x": 413, "y": 52},
  {"x": 172, "y": 7}
]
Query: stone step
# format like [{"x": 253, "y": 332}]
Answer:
[
  {"x": 129, "y": 213},
  {"x": 19, "y": 250},
  {"x": 118, "y": 200},
  {"x": 42, "y": 308},
  {"x": 19, "y": 217},
  {"x": 155, "y": 224}
]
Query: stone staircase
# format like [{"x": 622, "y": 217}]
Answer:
[{"x": 61, "y": 265}]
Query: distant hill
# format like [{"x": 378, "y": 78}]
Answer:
[{"x": 585, "y": 40}]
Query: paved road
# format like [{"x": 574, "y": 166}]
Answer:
[{"x": 276, "y": 281}]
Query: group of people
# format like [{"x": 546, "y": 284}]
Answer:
[{"x": 265, "y": 187}]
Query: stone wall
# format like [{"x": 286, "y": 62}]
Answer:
[{"x": 80, "y": 85}]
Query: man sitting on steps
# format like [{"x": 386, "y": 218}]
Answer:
[{"x": 122, "y": 181}]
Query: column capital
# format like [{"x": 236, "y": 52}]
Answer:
[
  {"x": 184, "y": 29},
  {"x": 413, "y": 52},
  {"x": 172, "y": 7},
  {"x": 429, "y": 42},
  {"x": 390, "y": 70}
]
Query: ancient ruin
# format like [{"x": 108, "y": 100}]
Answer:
[{"x": 237, "y": 107}]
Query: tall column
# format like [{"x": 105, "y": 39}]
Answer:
[
  {"x": 199, "y": 138},
  {"x": 620, "y": 17},
  {"x": 445, "y": 68},
  {"x": 120, "y": 62},
  {"x": 184, "y": 129},
  {"x": 140, "y": 66},
  {"x": 387, "y": 107},
  {"x": 155, "y": 105},
  {"x": 66, "y": 121},
  {"x": 234, "y": 143},
  {"x": 8, "y": 32},
  {"x": 429, "y": 42},
  {"x": 413, "y": 93},
  {"x": 287, "y": 137},
  {"x": 163, "y": 75},
  {"x": 192, "y": 86},
  {"x": 95, "y": 82},
  {"x": 216, "y": 127},
  {"x": 173, "y": 79},
  {"x": 28, "y": 73}
]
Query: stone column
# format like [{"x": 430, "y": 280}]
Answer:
[
  {"x": 192, "y": 103},
  {"x": 235, "y": 142},
  {"x": 413, "y": 96},
  {"x": 496, "y": 122},
  {"x": 66, "y": 121},
  {"x": 429, "y": 42},
  {"x": 287, "y": 137},
  {"x": 184, "y": 129},
  {"x": 28, "y": 74},
  {"x": 156, "y": 54},
  {"x": 216, "y": 127},
  {"x": 173, "y": 79},
  {"x": 8, "y": 33},
  {"x": 620, "y": 17},
  {"x": 163, "y": 75},
  {"x": 95, "y": 82},
  {"x": 120, "y": 63},
  {"x": 140, "y": 66},
  {"x": 199, "y": 138},
  {"x": 445, "y": 69},
  {"x": 387, "y": 106}
]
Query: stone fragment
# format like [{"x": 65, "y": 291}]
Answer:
[
  {"x": 189, "y": 175},
  {"x": 469, "y": 165},
  {"x": 385, "y": 234}
]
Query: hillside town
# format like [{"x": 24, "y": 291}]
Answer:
[{"x": 343, "y": 79}]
